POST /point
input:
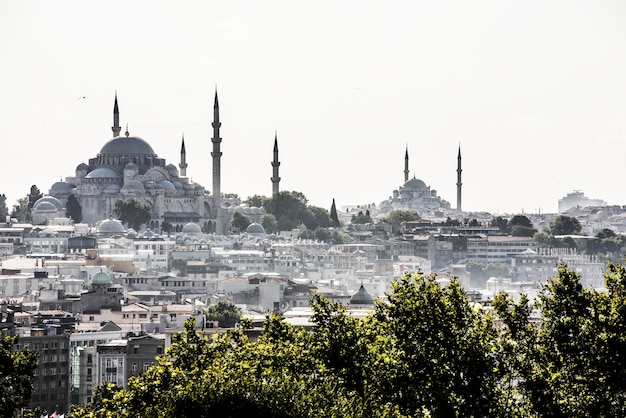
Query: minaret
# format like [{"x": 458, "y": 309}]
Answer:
[
  {"x": 116, "y": 128},
  {"x": 275, "y": 164},
  {"x": 406, "y": 164},
  {"x": 183, "y": 159},
  {"x": 458, "y": 181},
  {"x": 216, "y": 154}
]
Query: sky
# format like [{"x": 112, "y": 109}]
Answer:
[{"x": 533, "y": 93}]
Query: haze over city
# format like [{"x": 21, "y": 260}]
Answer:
[{"x": 532, "y": 92}]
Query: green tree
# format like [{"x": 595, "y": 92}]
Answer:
[
  {"x": 167, "y": 227},
  {"x": 269, "y": 223},
  {"x": 180, "y": 265},
  {"x": 4, "y": 211},
  {"x": 544, "y": 239},
  {"x": 225, "y": 313},
  {"x": 362, "y": 218},
  {"x": 21, "y": 211},
  {"x": 74, "y": 210},
  {"x": 239, "y": 222},
  {"x": 133, "y": 213},
  {"x": 17, "y": 370},
  {"x": 565, "y": 225},
  {"x": 521, "y": 226},
  {"x": 397, "y": 218},
  {"x": 333, "y": 215},
  {"x": 501, "y": 223},
  {"x": 33, "y": 196}
]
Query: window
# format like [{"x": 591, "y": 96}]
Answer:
[{"x": 146, "y": 366}]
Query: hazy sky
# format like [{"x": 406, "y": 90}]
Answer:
[{"x": 533, "y": 91}]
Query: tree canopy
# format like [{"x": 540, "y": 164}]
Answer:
[
  {"x": 17, "y": 370},
  {"x": 74, "y": 210},
  {"x": 225, "y": 313},
  {"x": 239, "y": 222},
  {"x": 4, "y": 211},
  {"x": 132, "y": 213},
  {"x": 291, "y": 209},
  {"x": 397, "y": 218}
]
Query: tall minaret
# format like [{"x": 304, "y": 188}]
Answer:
[
  {"x": 275, "y": 164},
  {"x": 458, "y": 181},
  {"x": 216, "y": 154},
  {"x": 406, "y": 164},
  {"x": 183, "y": 159},
  {"x": 116, "y": 128}
]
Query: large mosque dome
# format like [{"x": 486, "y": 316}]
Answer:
[{"x": 127, "y": 145}]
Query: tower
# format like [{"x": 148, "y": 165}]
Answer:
[
  {"x": 216, "y": 154},
  {"x": 275, "y": 164},
  {"x": 183, "y": 159},
  {"x": 116, "y": 128},
  {"x": 458, "y": 181},
  {"x": 406, "y": 164}
]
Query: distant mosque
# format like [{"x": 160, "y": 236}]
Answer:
[
  {"x": 127, "y": 167},
  {"x": 414, "y": 195}
]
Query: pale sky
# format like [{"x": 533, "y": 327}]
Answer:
[{"x": 534, "y": 92}]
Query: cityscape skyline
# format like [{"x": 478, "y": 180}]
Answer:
[{"x": 533, "y": 94}]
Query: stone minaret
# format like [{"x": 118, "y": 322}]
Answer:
[
  {"x": 116, "y": 128},
  {"x": 275, "y": 164},
  {"x": 216, "y": 154},
  {"x": 458, "y": 181},
  {"x": 406, "y": 164},
  {"x": 183, "y": 159}
]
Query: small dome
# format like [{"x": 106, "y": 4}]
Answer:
[
  {"x": 44, "y": 207},
  {"x": 191, "y": 229},
  {"x": 101, "y": 279},
  {"x": 61, "y": 186},
  {"x": 103, "y": 173},
  {"x": 149, "y": 184},
  {"x": 167, "y": 185},
  {"x": 82, "y": 167},
  {"x": 49, "y": 199},
  {"x": 255, "y": 228},
  {"x": 133, "y": 186},
  {"x": 172, "y": 170},
  {"x": 131, "y": 233},
  {"x": 415, "y": 184},
  {"x": 361, "y": 297},
  {"x": 111, "y": 227},
  {"x": 178, "y": 185}
]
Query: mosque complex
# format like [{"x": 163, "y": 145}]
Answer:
[{"x": 128, "y": 167}]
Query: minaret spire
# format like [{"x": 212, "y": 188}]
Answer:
[
  {"x": 183, "y": 159},
  {"x": 116, "y": 128},
  {"x": 216, "y": 154},
  {"x": 406, "y": 164},
  {"x": 458, "y": 181},
  {"x": 275, "y": 164}
]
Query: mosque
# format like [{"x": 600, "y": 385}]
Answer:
[
  {"x": 414, "y": 195},
  {"x": 128, "y": 167}
]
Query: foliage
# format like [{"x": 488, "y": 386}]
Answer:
[
  {"x": 4, "y": 211},
  {"x": 522, "y": 231},
  {"x": 565, "y": 225},
  {"x": 291, "y": 209},
  {"x": 21, "y": 211},
  {"x": 501, "y": 223},
  {"x": 397, "y": 218},
  {"x": 132, "y": 213},
  {"x": 74, "y": 210},
  {"x": 225, "y": 313},
  {"x": 362, "y": 218},
  {"x": 545, "y": 239},
  {"x": 269, "y": 223},
  {"x": 180, "y": 265},
  {"x": 33, "y": 196},
  {"x": 334, "y": 218},
  {"x": 167, "y": 227},
  {"x": 17, "y": 369},
  {"x": 239, "y": 222}
]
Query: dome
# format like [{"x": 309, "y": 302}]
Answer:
[
  {"x": 127, "y": 145},
  {"x": 178, "y": 184},
  {"x": 111, "y": 227},
  {"x": 102, "y": 279},
  {"x": 415, "y": 184},
  {"x": 167, "y": 185},
  {"x": 131, "y": 233},
  {"x": 149, "y": 184},
  {"x": 61, "y": 186},
  {"x": 49, "y": 199},
  {"x": 133, "y": 186},
  {"x": 103, "y": 173},
  {"x": 148, "y": 233},
  {"x": 172, "y": 170},
  {"x": 361, "y": 297},
  {"x": 45, "y": 207},
  {"x": 111, "y": 188},
  {"x": 191, "y": 229},
  {"x": 82, "y": 167},
  {"x": 255, "y": 228}
]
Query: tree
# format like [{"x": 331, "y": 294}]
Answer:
[
  {"x": 225, "y": 313},
  {"x": 167, "y": 227},
  {"x": 565, "y": 225},
  {"x": 17, "y": 369},
  {"x": 74, "y": 210},
  {"x": 33, "y": 196},
  {"x": 180, "y": 265},
  {"x": 397, "y": 218},
  {"x": 239, "y": 222},
  {"x": 133, "y": 213},
  {"x": 21, "y": 211},
  {"x": 521, "y": 226},
  {"x": 269, "y": 223},
  {"x": 333, "y": 215},
  {"x": 501, "y": 223},
  {"x": 361, "y": 218},
  {"x": 4, "y": 211}
]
